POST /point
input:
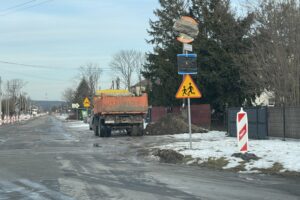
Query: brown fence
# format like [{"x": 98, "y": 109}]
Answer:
[
  {"x": 284, "y": 122},
  {"x": 157, "y": 112},
  {"x": 201, "y": 114}
]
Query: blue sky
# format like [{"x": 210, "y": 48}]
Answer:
[{"x": 66, "y": 34}]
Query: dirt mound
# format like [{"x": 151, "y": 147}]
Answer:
[
  {"x": 172, "y": 124},
  {"x": 168, "y": 155},
  {"x": 246, "y": 156}
]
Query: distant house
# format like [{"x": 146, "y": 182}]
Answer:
[
  {"x": 140, "y": 87},
  {"x": 266, "y": 98}
]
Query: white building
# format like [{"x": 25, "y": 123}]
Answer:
[{"x": 266, "y": 98}]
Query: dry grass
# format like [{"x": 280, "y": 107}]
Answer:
[{"x": 215, "y": 163}]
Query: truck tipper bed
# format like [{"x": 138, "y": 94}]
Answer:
[{"x": 118, "y": 110}]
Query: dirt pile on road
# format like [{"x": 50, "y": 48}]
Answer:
[{"x": 172, "y": 124}]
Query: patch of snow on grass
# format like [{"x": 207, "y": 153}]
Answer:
[
  {"x": 234, "y": 162},
  {"x": 216, "y": 144}
]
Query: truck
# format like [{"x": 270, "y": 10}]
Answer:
[{"x": 119, "y": 109}]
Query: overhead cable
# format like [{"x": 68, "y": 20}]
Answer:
[{"x": 24, "y": 8}]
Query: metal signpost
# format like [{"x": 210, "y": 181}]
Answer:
[
  {"x": 188, "y": 30},
  {"x": 76, "y": 106},
  {"x": 86, "y": 104},
  {"x": 187, "y": 90}
]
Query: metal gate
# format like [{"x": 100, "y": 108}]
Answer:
[{"x": 257, "y": 119}]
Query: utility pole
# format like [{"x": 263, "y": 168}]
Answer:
[
  {"x": 7, "y": 105},
  {"x": 0, "y": 99},
  {"x": 7, "y": 99}
]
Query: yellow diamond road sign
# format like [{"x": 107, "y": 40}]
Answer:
[
  {"x": 86, "y": 102},
  {"x": 188, "y": 89}
]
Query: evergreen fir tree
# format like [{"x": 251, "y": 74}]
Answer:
[
  {"x": 82, "y": 92},
  {"x": 222, "y": 38}
]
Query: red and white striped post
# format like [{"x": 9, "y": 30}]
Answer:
[{"x": 242, "y": 130}]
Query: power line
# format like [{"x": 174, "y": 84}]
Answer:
[
  {"x": 24, "y": 8},
  {"x": 26, "y": 65},
  {"x": 44, "y": 78},
  {"x": 17, "y": 6},
  {"x": 45, "y": 67},
  {"x": 35, "y": 76}
]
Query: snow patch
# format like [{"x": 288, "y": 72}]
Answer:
[
  {"x": 62, "y": 116},
  {"x": 215, "y": 144},
  {"x": 79, "y": 125}
]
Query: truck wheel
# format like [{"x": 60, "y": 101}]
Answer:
[
  {"x": 101, "y": 129},
  {"x": 96, "y": 131},
  {"x": 141, "y": 130},
  {"x": 137, "y": 130},
  {"x": 108, "y": 131},
  {"x": 128, "y": 131},
  {"x": 102, "y": 132}
]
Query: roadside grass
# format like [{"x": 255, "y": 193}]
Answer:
[
  {"x": 275, "y": 169},
  {"x": 171, "y": 156},
  {"x": 239, "y": 168},
  {"x": 214, "y": 163}
]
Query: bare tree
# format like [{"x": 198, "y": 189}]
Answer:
[
  {"x": 274, "y": 62},
  {"x": 68, "y": 95},
  {"x": 13, "y": 90},
  {"x": 91, "y": 72},
  {"x": 125, "y": 63},
  {"x": 140, "y": 67},
  {"x": 14, "y": 86}
]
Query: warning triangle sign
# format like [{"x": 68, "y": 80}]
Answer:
[
  {"x": 86, "y": 102},
  {"x": 188, "y": 89}
]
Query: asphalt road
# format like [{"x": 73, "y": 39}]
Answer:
[{"x": 46, "y": 159}]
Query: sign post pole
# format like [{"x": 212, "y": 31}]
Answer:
[
  {"x": 187, "y": 90},
  {"x": 190, "y": 123},
  {"x": 86, "y": 104},
  {"x": 188, "y": 30}
]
